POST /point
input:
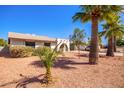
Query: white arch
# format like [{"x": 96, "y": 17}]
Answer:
[{"x": 65, "y": 42}]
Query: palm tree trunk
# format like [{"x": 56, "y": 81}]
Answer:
[
  {"x": 110, "y": 49},
  {"x": 79, "y": 51},
  {"x": 115, "y": 49},
  {"x": 48, "y": 76},
  {"x": 93, "y": 55}
]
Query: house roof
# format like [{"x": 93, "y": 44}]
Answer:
[{"x": 30, "y": 37}]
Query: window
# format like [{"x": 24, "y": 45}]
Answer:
[
  {"x": 8, "y": 41},
  {"x": 47, "y": 44},
  {"x": 31, "y": 44}
]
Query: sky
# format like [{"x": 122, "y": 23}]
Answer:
[{"x": 45, "y": 20}]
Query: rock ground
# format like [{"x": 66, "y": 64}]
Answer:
[{"x": 69, "y": 71}]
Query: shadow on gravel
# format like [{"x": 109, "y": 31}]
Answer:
[
  {"x": 5, "y": 55},
  {"x": 63, "y": 63},
  {"x": 22, "y": 83}
]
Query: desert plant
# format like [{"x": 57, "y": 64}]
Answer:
[
  {"x": 21, "y": 51},
  {"x": 47, "y": 56}
]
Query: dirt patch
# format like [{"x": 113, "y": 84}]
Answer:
[{"x": 69, "y": 71}]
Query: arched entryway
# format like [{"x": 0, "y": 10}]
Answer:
[{"x": 63, "y": 47}]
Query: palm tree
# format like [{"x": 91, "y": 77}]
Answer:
[
  {"x": 77, "y": 38},
  {"x": 100, "y": 42},
  {"x": 115, "y": 40},
  {"x": 113, "y": 29},
  {"x": 118, "y": 21},
  {"x": 120, "y": 42},
  {"x": 47, "y": 56},
  {"x": 95, "y": 13}
]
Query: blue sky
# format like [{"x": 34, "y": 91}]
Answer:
[{"x": 52, "y": 21}]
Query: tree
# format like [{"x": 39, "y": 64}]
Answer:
[
  {"x": 112, "y": 30},
  {"x": 115, "y": 40},
  {"x": 95, "y": 14},
  {"x": 3, "y": 42},
  {"x": 88, "y": 41},
  {"x": 47, "y": 56},
  {"x": 118, "y": 21},
  {"x": 77, "y": 38},
  {"x": 120, "y": 42}
]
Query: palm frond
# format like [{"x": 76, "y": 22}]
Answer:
[
  {"x": 83, "y": 17},
  {"x": 102, "y": 33}
]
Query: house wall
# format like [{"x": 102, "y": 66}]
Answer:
[
  {"x": 53, "y": 45},
  {"x": 39, "y": 44},
  {"x": 14, "y": 42}
]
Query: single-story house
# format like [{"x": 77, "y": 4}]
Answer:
[{"x": 19, "y": 39}]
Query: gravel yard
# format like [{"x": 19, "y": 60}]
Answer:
[{"x": 69, "y": 71}]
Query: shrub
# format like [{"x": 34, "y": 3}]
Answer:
[{"x": 21, "y": 51}]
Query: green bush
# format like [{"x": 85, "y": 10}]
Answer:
[{"x": 21, "y": 51}]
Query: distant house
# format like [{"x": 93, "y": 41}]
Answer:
[{"x": 19, "y": 39}]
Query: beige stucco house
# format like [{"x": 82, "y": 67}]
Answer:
[{"x": 19, "y": 39}]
